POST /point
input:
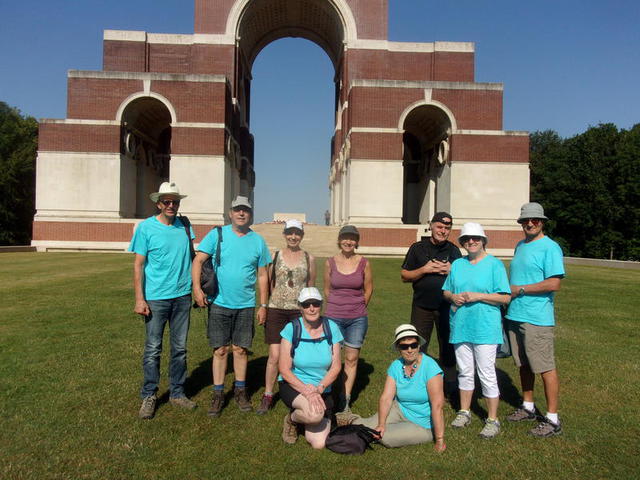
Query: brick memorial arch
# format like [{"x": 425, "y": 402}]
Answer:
[{"x": 414, "y": 133}]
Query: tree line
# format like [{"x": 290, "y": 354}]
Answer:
[
  {"x": 589, "y": 185},
  {"x": 18, "y": 146}
]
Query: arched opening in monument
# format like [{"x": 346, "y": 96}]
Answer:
[
  {"x": 427, "y": 129},
  {"x": 145, "y": 150},
  {"x": 290, "y": 114}
]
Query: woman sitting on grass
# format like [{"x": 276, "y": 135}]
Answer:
[
  {"x": 308, "y": 370},
  {"x": 410, "y": 407}
]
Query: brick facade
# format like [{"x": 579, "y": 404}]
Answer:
[{"x": 200, "y": 86}]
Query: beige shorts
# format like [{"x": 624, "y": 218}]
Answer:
[{"x": 532, "y": 345}]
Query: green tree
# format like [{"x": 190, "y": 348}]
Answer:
[
  {"x": 18, "y": 146},
  {"x": 589, "y": 185}
]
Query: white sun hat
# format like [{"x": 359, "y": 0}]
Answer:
[
  {"x": 166, "y": 188},
  {"x": 471, "y": 229},
  {"x": 406, "y": 330}
]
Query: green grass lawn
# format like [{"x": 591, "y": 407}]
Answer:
[{"x": 70, "y": 354}]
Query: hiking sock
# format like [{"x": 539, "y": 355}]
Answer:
[{"x": 531, "y": 406}]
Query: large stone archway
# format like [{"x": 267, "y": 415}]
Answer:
[{"x": 391, "y": 99}]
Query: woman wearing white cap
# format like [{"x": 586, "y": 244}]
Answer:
[
  {"x": 291, "y": 270},
  {"x": 476, "y": 288},
  {"x": 309, "y": 363},
  {"x": 410, "y": 407}
]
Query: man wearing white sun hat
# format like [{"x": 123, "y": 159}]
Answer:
[{"x": 162, "y": 285}]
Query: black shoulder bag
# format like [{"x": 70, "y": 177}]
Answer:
[{"x": 208, "y": 277}]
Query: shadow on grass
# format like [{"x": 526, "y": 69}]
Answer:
[{"x": 509, "y": 393}]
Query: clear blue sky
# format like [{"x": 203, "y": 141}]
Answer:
[{"x": 565, "y": 65}]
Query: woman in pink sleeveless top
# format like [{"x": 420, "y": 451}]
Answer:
[{"x": 348, "y": 285}]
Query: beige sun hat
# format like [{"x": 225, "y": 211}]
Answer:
[
  {"x": 166, "y": 188},
  {"x": 406, "y": 330}
]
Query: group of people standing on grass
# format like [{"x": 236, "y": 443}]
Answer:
[{"x": 464, "y": 297}]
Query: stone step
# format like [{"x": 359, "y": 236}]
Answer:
[{"x": 319, "y": 240}]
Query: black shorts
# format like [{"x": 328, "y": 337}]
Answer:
[{"x": 288, "y": 394}]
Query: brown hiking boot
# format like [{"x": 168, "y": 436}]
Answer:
[
  {"x": 240, "y": 396},
  {"x": 266, "y": 404},
  {"x": 217, "y": 399},
  {"x": 183, "y": 402},
  {"x": 289, "y": 430}
]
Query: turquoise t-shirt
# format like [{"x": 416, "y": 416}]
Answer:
[
  {"x": 477, "y": 322},
  {"x": 534, "y": 262},
  {"x": 167, "y": 265},
  {"x": 313, "y": 356},
  {"x": 411, "y": 393},
  {"x": 240, "y": 258}
]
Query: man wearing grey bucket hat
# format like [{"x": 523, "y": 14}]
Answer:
[{"x": 535, "y": 274}]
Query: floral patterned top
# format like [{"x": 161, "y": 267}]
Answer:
[{"x": 289, "y": 282}]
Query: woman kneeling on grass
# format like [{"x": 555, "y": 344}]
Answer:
[
  {"x": 476, "y": 288},
  {"x": 410, "y": 407},
  {"x": 308, "y": 370}
]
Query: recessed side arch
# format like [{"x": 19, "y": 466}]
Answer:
[
  {"x": 433, "y": 103},
  {"x": 157, "y": 96}
]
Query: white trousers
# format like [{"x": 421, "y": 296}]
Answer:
[{"x": 471, "y": 357}]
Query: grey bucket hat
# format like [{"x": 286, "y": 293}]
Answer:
[
  {"x": 531, "y": 210},
  {"x": 349, "y": 230}
]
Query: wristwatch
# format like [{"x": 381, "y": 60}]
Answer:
[
  {"x": 263, "y": 305},
  {"x": 521, "y": 291}
]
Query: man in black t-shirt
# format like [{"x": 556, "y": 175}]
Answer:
[{"x": 427, "y": 265}]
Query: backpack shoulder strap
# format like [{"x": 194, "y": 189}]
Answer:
[
  {"x": 297, "y": 334},
  {"x": 187, "y": 228},
  {"x": 326, "y": 328},
  {"x": 219, "y": 229}
]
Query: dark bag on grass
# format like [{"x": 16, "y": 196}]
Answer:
[{"x": 351, "y": 439}]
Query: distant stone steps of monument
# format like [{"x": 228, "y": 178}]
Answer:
[{"x": 319, "y": 240}]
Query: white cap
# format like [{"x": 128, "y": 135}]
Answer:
[
  {"x": 309, "y": 293},
  {"x": 166, "y": 188},
  {"x": 472, "y": 229},
  {"x": 293, "y": 223}
]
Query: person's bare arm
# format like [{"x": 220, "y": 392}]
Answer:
[
  {"x": 384, "y": 404},
  {"x": 551, "y": 284},
  {"x": 496, "y": 299},
  {"x": 436, "y": 399},
  {"x": 432, "y": 266},
  {"x": 327, "y": 280},
  {"x": 263, "y": 285},
  {"x": 141, "y": 307},
  {"x": 312, "y": 271},
  {"x": 368, "y": 283}
]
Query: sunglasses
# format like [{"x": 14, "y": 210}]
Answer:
[
  {"x": 534, "y": 221},
  {"x": 166, "y": 203},
  {"x": 470, "y": 238},
  {"x": 407, "y": 346},
  {"x": 311, "y": 303}
]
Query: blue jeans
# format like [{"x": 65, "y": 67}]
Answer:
[
  {"x": 176, "y": 311},
  {"x": 353, "y": 330}
]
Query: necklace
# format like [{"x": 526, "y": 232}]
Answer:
[{"x": 412, "y": 370}]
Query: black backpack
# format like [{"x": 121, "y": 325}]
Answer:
[
  {"x": 351, "y": 439},
  {"x": 297, "y": 334},
  {"x": 208, "y": 278}
]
